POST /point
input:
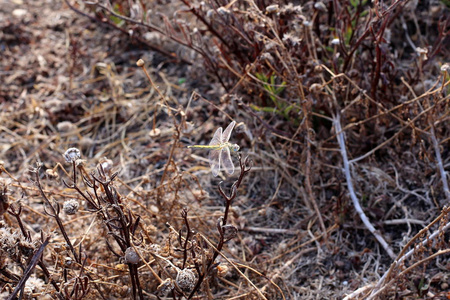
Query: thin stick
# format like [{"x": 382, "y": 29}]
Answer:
[
  {"x": 362, "y": 215},
  {"x": 401, "y": 257},
  {"x": 34, "y": 261},
  {"x": 437, "y": 152}
]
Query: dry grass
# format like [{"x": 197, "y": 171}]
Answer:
[{"x": 342, "y": 109}]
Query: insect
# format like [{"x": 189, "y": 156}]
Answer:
[{"x": 219, "y": 155}]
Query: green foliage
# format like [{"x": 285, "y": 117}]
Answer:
[
  {"x": 117, "y": 21},
  {"x": 274, "y": 90}
]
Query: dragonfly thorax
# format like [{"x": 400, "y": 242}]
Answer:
[{"x": 235, "y": 147}]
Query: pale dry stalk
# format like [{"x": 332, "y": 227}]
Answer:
[{"x": 357, "y": 206}]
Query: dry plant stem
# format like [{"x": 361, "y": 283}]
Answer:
[
  {"x": 402, "y": 256},
  {"x": 120, "y": 224},
  {"x": 240, "y": 272},
  {"x": 124, "y": 31},
  {"x": 16, "y": 213},
  {"x": 437, "y": 152},
  {"x": 187, "y": 238},
  {"x": 358, "y": 292},
  {"x": 141, "y": 63},
  {"x": 357, "y": 206},
  {"x": 376, "y": 292},
  {"x": 54, "y": 212},
  {"x": 245, "y": 166},
  {"x": 27, "y": 273}
]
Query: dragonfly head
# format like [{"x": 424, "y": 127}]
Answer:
[{"x": 235, "y": 147}]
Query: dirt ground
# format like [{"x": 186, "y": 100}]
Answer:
[{"x": 69, "y": 81}]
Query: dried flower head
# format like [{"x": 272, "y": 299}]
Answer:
[
  {"x": 154, "y": 132},
  {"x": 185, "y": 280},
  {"x": 140, "y": 62},
  {"x": 222, "y": 270},
  {"x": 274, "y": 8},
  {"x": 68, "y": 261},
  {"x": 71, "y": 206},
  {"x": 106, "y": 164},
  {"x": 66, "y": 126},
  {"x": 422, "y": 52},
  {"x": 320, "y": 6},
  {"x": 335, "y": 41},
  {"x": 52, "y": 173},
  {"x": 72, "y": 155}
]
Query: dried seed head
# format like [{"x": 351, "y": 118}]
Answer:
[
  {"x": 52, "y": 173},
  {"x": 165, "y": 287},
  {"x": 68, "y": 261},
  {"x": 320, "y": 6},
  {"x": 229, "y": 232},
  {"x": 72, "y": 155},
  {"x": 106, "y": 164},
  {"x": 140, "y": 62},
  {"x": 335, "y": 41},
  {"x": 445, "y": 67},
  {"x": 154, "y": 133},
  {"x": 131, "y": 257},
  {"x": 66, "y": 126},
  {"x": 59, "y": 248},
  {"x": 222, "y": 270},
  {"x": 71, "y": 206},
  {"x": 422, "y": 52},
  {"x": 315, "y": 88},
  {"x": 185, "y": 280},
  {"x": 121, "y": 267},
  {"x": 274, "y": 8}
]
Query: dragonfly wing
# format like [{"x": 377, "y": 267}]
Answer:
[
  {"x": 214, "y": 160},
  {"x": 217, "y": 138},
  {"x": 227, "y": 162},
  {"x": 227, "y": 133}
]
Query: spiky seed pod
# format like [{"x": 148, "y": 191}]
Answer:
[
  {"x": 185, "y": 280},
  {"x": 71, "y": 206}
]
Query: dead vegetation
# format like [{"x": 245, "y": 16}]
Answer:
[{"x": 342, "y": 111}]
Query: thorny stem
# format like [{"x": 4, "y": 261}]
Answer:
[{"x": 245, "y": 166}]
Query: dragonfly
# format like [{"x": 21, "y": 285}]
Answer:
[{"x": 220, "y": 150}]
